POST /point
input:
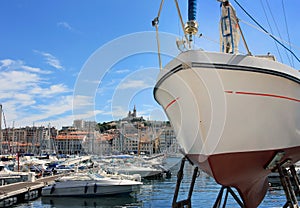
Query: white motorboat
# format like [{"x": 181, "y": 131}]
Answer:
[
  {"x": 144, "y": 172},
  {"x": 232, "y": 113},
  {"x": 149, "y": 168},
  {"x": 87, "y": 185},
  {"x": 7, "y": 176}
]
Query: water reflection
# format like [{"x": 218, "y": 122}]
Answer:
[{"x": 103, "y": 202}]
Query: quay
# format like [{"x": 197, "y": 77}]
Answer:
[{"x": 23, "y": 191}]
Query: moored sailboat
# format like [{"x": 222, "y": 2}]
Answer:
[{"x": 236, "y": 116}]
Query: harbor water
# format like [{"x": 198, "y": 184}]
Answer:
[{"x": 158, "y": 193}]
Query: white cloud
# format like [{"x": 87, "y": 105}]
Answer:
[
  {"x": 6, "y": 63},
  {"x": 82, "y": 100},
  {"x": 50, "y": 59},
  {"x": 9, "y": 64},
  {"x": 118, "y": 112},
  {"x": 88, "y": 115},
  {"x": 51, "y": 91},
  {"x": 42, "y": 114},
  {"x": 34, "y": 69},
  {"x": 133, "y": 84},
  {"x": 68, "y": 26},
  {"x": 28, "y": 98},
  {"x": 17, "y": 80},
  {"x": 122, "y": 71},
  {"x": 65, "y": 25},
  {"x": 57, "y": 106},
  {"x": 58, "y": 88}
]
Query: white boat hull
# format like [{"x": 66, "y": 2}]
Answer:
[
  {"x": 144, "y": 172},
  {"x": 90, "y": 188},
  {"x": 228, "y": 110}
]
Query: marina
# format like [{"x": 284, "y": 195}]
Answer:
[
  {"x": 81, "y": 179},
  {"x": 157, "y": 193}
]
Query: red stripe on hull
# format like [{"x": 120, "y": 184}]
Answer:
[
  {"x": 245, "y": 171},
  {"x": 263, "y": 95},
  {"x": 171, "y": 103}
]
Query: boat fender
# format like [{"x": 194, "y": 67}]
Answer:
[
  {"x": 86, "y": 188},
  {"x": 52, "y": 189},
  {"x": 95, "y": 188}
]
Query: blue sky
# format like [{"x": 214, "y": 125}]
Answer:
[{"x": 59, "y": 59}]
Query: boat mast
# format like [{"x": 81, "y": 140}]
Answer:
[
  {"x": 1, "y": 138},
  {"x": 13, "y": 138},
  {"x": 191, "y": 27},
  {"x": 230, "y": 29}
]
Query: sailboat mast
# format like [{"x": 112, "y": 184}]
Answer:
[
  {"x": 192, "y": 10},
  {"x": 1, "y": 138},
  {"x": 191, "y": 27}
]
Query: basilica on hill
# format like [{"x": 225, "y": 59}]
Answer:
[{"x": 132, "y": 116}]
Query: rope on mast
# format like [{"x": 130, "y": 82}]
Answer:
[
  {"x": 181, "y": 20},
  {"x": 243, "y": 38},
  {"x": 158, "y": 44},
  {"x": 160, "y": 8},
  {"x": 155, "y": 24},
  {"x": 261, "y": 27}
]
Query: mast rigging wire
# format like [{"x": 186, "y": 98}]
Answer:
[
  {"x": 273, "y": 37},
  {"x": 287, "y": 29},
  {"x": 260, "y": 30},
  {"x": 276, "y": 44},
  {"x": 278, "y": 31}
]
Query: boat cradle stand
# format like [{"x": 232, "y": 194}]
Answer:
[
  {"x": 187, "y": 202},
  {"x": 288, "y": 177},
  {"x": 218, "y": 201},
  {"x": 290, "y": 182}
]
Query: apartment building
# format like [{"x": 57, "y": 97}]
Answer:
[{"x": 27, "y": 139}]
